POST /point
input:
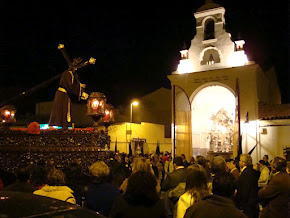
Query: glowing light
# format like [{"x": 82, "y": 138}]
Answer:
[
  {"x": 95, "y": 104},
  {"x": 184, "y": 54},
  {"x": 135, "y": 103},
  {"x": 60, "y": 46},
  {"x": 107, "y": 112},
  {"x": 238, "y": 58},
  {"x": 92, "y": 60},
  {"x": 44, "y": 126},
  {"x": 240, "y": 44},
  {"x": 7, "y": 113},
  {"x": 185, "y": 66}
]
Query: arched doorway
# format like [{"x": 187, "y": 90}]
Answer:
[{"x": 213, "y": 115}]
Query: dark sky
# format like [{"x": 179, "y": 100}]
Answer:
[{"x": 135, "y": 48}]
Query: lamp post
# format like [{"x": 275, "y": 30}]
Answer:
[{"x": 134, "y": 103}]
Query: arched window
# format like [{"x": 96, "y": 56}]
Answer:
[
  {"x": 210, "y": 56},
  {"x": 209, "y": 29}
]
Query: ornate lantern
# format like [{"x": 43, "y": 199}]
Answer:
[
  {"x": 96, "y": 105},
  {"x": 7, "y": 115},
  {"x": 109, "y": 114}
]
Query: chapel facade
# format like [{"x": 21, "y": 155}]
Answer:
[{"x": 217, "y": 94}]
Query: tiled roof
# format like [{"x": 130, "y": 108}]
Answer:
[{"x": 274, "y": 112}]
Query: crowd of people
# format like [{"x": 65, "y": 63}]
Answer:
[{"x": 155, "y": 185}]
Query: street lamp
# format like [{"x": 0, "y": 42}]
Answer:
[{"x": 134, "y": 103}]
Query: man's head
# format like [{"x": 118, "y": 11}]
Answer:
[
  {"x": 23, "y": 173},
  {"x": 183, "y": 157},
  {"x": 231, "y": 164},
  {"x": 218, "y": 164},
  {"x": 278, "y": 164},
  {"x": 224, "y": 184},
  {"x": 266, "y": 158},
  {"x": 245, "y": 160},
  {"x": 177, "y": 161},
  {"x": 262, "y": 163}
]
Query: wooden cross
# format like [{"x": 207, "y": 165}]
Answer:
[{"x": 77, "y": 62}]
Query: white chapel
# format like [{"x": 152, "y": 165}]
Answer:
[{"x": 220, "y": 98}]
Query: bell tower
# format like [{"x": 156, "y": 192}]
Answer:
[{"x": 212, "y": 47}]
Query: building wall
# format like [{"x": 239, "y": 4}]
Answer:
[
  {"x": 153, "y": 133},
  {"x": 273, "y": 137},
  {"x": 253, "y": 85}
]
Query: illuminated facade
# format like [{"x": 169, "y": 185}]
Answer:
[{"x": 217, "y": 93}]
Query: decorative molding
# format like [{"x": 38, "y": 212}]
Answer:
[
  {"x": 210, "y": 12},
  {"x": 209, "y": 41}
]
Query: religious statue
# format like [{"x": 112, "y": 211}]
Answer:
[{"x": 69, "y": 89}]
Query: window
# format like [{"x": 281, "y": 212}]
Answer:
[
  {"x": 210, "y": 56},
  {"x": 209, "y": 29}
]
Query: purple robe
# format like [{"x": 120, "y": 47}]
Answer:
[{"x": 69, "y": 88}]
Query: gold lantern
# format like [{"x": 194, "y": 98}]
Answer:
[
  {"x": 7, "y": 115},
  {"x": 96, "y": 105}
]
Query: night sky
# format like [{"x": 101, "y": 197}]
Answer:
[{"x": 135, "y": 48}]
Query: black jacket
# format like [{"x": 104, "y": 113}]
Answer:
[
  {"x": 173, "y": 179},
  {"x": 247, "y": 192},
  {"x": 276, "y": 192}
]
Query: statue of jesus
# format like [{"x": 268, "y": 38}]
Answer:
[{"x": 69, "y": 88}]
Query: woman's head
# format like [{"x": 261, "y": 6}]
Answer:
[
  {"x": 55, "y": 177},
  {"x": 196, "y": 182},
  {"x": 100, "y": 171},
  {"x": 201, "y": 161},
  {"x": 141, "y": 189},
  {"x": 195, "y": 177},
  {"x": 140, "y": 164}
]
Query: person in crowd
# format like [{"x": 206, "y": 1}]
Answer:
[
  {"x": 265, "y": 173},
  {"x": 191, "y": 161},
  {"x": 277, "y": 191},
  {"x": 218, "y": 164},
  {"x": 157, "y": 162},
  {"x": 247, "y": 187},
  {"x": 185, "y": 163},
  {"x": 256, "y": 166},
  {"x": 233, "y": 168},
  {"x": 139, "y": 164},
  {"x": 288, "y": 167},
  {"x": 176, "y": 177},
  {"x": 196, "y": 188},
  {"x": 140, "y": 199},
  {"x": 165, "y": 157},
  {"x": 21, "y": 184},
  {"x": 203, "y": 162},
  {"x": 220, "y": 204},
  {"x": 168, "y": 166},
  {"x": 55, "y": 187},
  {"x": 100, "y": 195},
  {"x": 38, "y": 175},
  {"x": 266, "y": 159}
]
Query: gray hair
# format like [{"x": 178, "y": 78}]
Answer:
[
  {"x": 247, "y": 159},
  {"x": 218, "y": 164}
]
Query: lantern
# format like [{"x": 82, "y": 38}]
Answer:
[
  {"x": 109, "y": 114},
  {"x": 96, "y": 105},
  {"x": 7, "y": 114}
]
